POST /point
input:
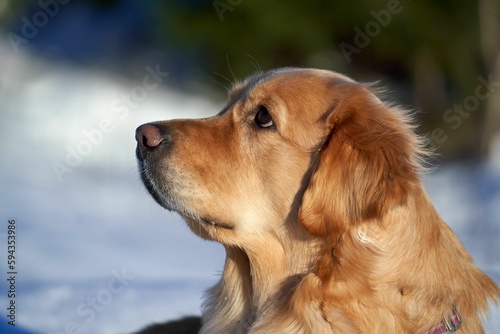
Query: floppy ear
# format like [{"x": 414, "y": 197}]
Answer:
[{"x": 367, "y": 164}]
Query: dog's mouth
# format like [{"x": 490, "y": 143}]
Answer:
[
  {"x": 168, "y": 202},
  {"x": 214, "y": 223},
  {"x": 207, "y": 222},
  {"x": 152, "y": 188}
]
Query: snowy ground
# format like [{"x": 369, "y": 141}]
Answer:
[{"x": 94, "y": 251}]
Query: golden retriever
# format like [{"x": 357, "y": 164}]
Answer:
[{"x": 311, "y": 183}]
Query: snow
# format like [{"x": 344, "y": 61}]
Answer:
[{"x": 94, "y": 251}]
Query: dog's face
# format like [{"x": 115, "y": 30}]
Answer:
[
  {"x": 290, "y": 143},
  {"x": 241, "y": 173}
]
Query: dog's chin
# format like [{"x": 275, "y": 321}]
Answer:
[
  {"x": 217, "y": 224},
  {"x": 158, "y": 195},
  {"x": 208, "y": 229},
  {"x": 168, "y": 202},
  {"x": 196, "y": 221}
]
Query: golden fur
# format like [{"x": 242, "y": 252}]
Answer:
[{"x": 326, "y": 226}]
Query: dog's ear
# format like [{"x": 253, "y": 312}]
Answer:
[{"x": 367, "y": 164}]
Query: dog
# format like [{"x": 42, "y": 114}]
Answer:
[{"x": 311, "y": 183}]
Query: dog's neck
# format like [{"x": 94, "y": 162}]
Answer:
[{"x": 254, "y": 279}]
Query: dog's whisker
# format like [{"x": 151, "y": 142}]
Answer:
[
  {"x": 230, "y": 69},
  {"x": 227, "y": 88},
  {"x": 255, "y": 64}
]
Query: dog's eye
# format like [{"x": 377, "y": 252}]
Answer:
[{"x": 263, "y": 119}]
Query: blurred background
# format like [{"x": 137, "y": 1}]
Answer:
[{"x": 95, "y": 254}]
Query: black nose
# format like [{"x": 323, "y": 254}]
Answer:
[{"x": 148, "y": 138}]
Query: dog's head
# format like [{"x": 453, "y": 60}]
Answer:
[{"x": 291, "y": 145}]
